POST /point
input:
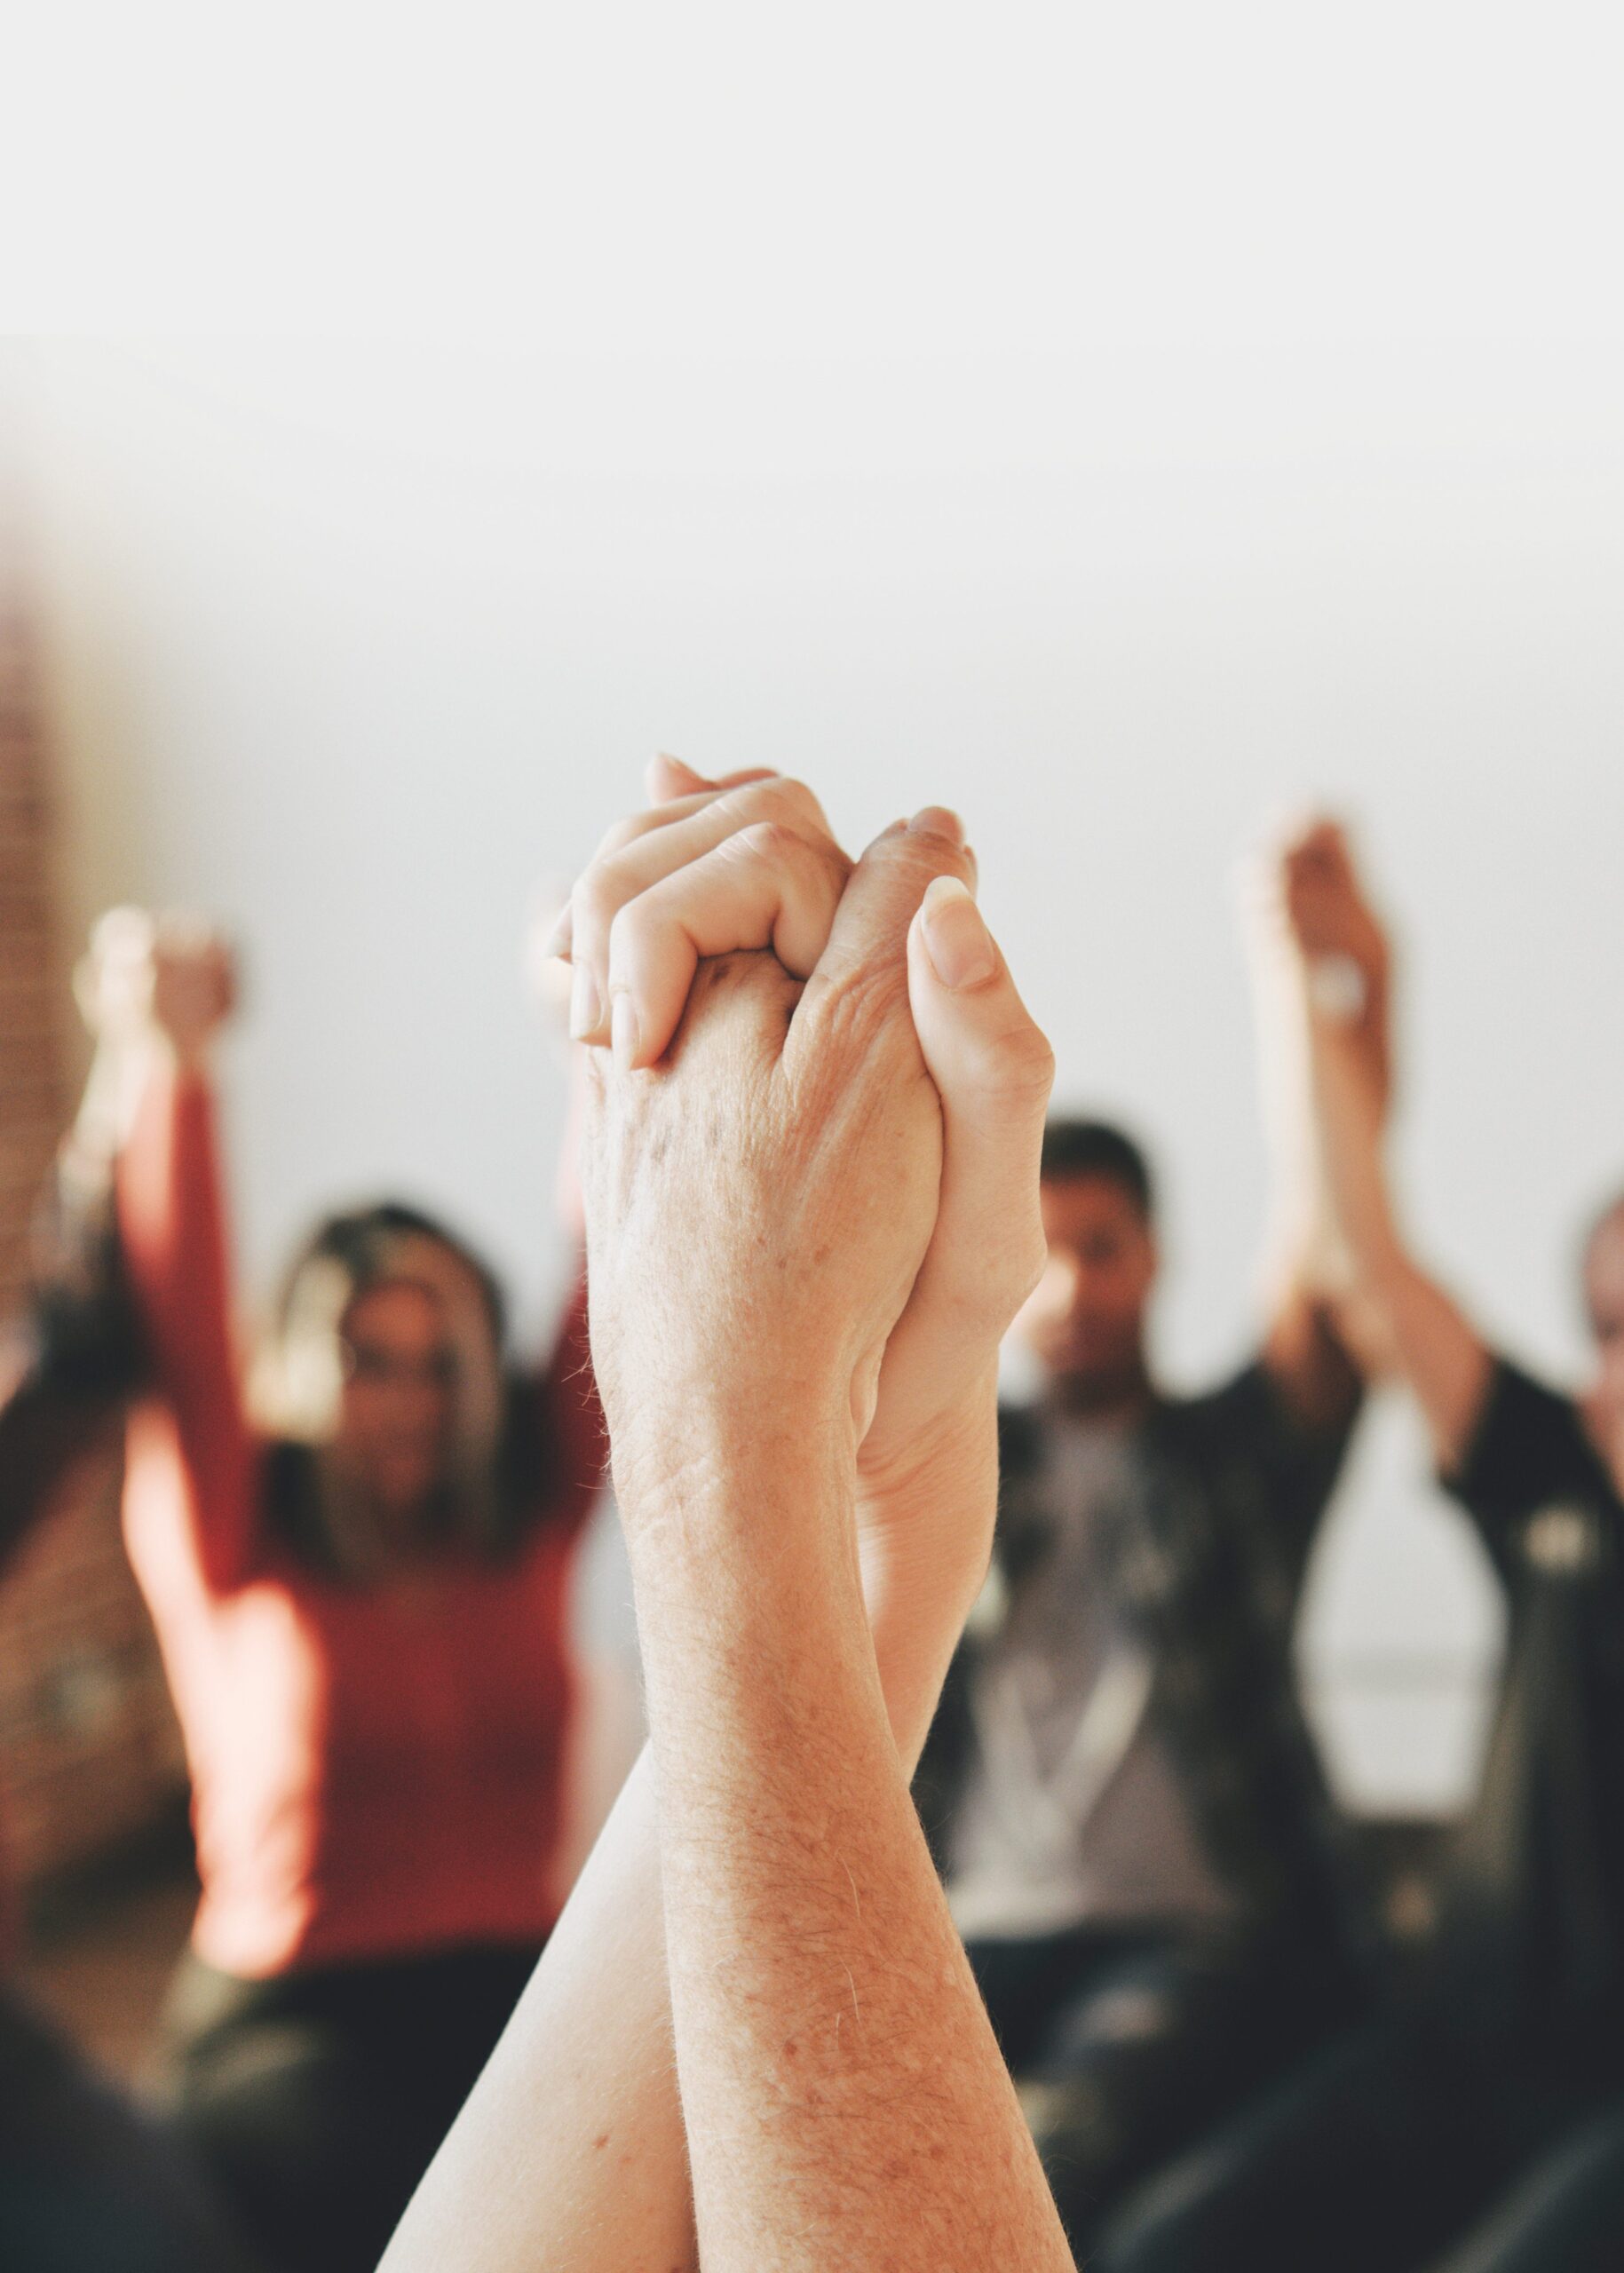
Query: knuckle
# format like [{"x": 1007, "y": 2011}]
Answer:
[
  {"x": 1014, "y": 1067},
  {"x": 837, "y": 866},
  {"x": 623, "y": 834},
  {"x": 782, "y": 799},
  {"x": 774, "y": 843},
  {"x": 852, "y": 1006},
  {"x": 1028, "y": 1061}
]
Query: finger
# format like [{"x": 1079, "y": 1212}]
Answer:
[
  {"x": 765, "y": 885},
  {"x": 993, "y": 1070},
  {"x": 643, "y": 823},
  {"x": 126, "y": 933},
  {"x": 554, "y": 930},
  {"x": 642, "y": 861},
  {"x": 865, "y": 965},
  {"x": 668, "y": 777},
  {"x": 675, "y": 792}
]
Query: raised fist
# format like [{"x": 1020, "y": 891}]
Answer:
[
  {"x": 171, "y": 975},
  {"x": 1333, "y": 925}
]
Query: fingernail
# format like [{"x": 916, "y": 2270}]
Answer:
[
  {"x": 937, "y": 820},
  {"x": 562, "y": 932},
  {"x": 586, "y": 1011},
  {"x": 624, "y": 1032},
  {"x": 957, "y": 941}
]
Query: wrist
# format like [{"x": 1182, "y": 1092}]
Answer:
[
  {"x": 714, "y": 1488},
  {"x": 183, "y": 1057},
  {"x": 924, "y": 1526},
  {"x": 916, "y": 1631},
  {"x": 749, "y": 1599}
]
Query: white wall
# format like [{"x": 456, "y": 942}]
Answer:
[{"x": 351, "y": 645}]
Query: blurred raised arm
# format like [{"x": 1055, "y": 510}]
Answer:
[
  {"x": 157, "y": 992},
  {"x": 1335, "y": 969}
]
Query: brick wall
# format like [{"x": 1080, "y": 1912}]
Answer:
[{"x": 89, "y": 1754}]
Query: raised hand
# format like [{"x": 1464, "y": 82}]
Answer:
[
  {"x": 927, "y": 1472},
  {"x": 957, "y": 1246},
  {"x": 713, "y": 867},
  {"x": 1343, "y": 949},
  {"x": 763, "y": 1196},
  {"x": 1324, "y": 900},
  {"x": 758, "y": 1206},
  {"x": 169, "y": 976}
]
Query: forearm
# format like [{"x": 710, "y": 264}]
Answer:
[
  {"x": 844, "y": 2098},
  {"x": 1432, "y": 1343},
  {"x": 925, "y": 1539},
  {"x": 571, "y": 2151},
  {"x": 172, "y": 1224}
]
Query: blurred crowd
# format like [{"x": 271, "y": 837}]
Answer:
[{"x": 357, "y": 1548}]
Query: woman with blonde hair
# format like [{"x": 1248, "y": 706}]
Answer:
[{"x": 361, "y": 1595}]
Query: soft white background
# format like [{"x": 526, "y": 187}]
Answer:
[{"x": 350, "y": 644}]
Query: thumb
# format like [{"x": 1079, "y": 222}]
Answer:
[{"x": 993, "y": 1069}]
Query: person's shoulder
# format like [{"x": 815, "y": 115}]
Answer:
[
  {"x": 1530, "y": 1450},
  {"x": 1244, "y": 1401}
]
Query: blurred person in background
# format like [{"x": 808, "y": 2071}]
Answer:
[
  {"x": 360, "y": 1600},
  {"x": 85, "y": 2180},
  {"x": 1127, "y": 1807},
  {"x": 1488, "y": 2100}
]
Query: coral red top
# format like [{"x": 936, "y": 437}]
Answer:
[{"x": 375, "y": 1771}]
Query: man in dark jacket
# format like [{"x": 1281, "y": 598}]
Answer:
[
  {"x": 1124, "y": 1799},
  {"x": 1487, "y": 2099}
]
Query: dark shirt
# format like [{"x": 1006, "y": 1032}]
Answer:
[
  {"x": 1536, "y": 1903},
  {"x": 1207, "y": 1576},
  {"x": 66, "y": 1363}
]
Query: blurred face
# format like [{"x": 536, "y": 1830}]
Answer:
[
  {"x": 1085, "y": 1322},
  {"x": 1604, "y": 1301},
  {"x": 398, "y": 1414}
]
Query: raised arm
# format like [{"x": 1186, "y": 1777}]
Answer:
[
  {"x": 1335, "y": 968},
  {"x": 156, "y": 994},
  {"x": 601, "y": 2180},
  {"x": 758, "y": 1214},
  {"x": 1306, "y": 1347},
  {"x": 73, "y": 1355}
]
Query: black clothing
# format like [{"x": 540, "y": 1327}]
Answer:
[
  {"x": 86, "y": 2184},
  {"x": 1472, "y": 2102},
  {"x": 1128, "y": 2045},
  {"x": 1210, "y": 1583},
  {"x": 317, "y": 2100}
]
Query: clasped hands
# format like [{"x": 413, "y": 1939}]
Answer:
[{"x": 810, "y": 1164}]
